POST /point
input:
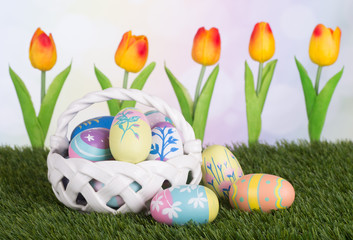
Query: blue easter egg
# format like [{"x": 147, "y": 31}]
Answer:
[{"x": 98, "y": 122}]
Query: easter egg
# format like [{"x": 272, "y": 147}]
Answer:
[
  {"x": 98, "y": 122},
  {"x": 155, "y": 117},
  {"x": 166, "y": 142},
  {"x": 260, "y": 191},
  {"x": 219, "y": 169},
  {"x": 181, "y": 204},
  {"x": 130, "y": 136},
  {"x": 91, "y": 144},
  {"x": 116, "y": 201}
]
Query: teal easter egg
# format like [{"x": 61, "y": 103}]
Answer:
[
  {"x": 91, "y": 144},
  {"x": 181, "y": 204}
]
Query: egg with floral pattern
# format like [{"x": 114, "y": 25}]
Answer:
[
  {"x": 91, "y": 144},
  {"x": 220, "y": 169},
  {"x": 166, "y": 142},
  {"x": 97, "y": 122},
  {"x": 264, "y": 192},
  {"x": 181, "y": 204},
  {"x": 155, "y": 117},
  {"x": 130, "y": 136}
]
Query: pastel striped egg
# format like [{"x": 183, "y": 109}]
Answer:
[
  {"x": 262, "y": 192},
  {"x": 130, "y": 136},
  {"x": 180, "y": 204},
  {"x": 97, "y": 122},
  {"x": 91, "y": 144}
]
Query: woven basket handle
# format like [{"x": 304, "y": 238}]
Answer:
[{"x": 59, "y": 142}]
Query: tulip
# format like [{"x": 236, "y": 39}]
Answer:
[
  {"x": 324, "y": 45},
  {"x": 42, "y": 54},
  {"x": 206, "y": 48},
  {"x": 261, "y": 47},
  {"x": 42, "y": 51},
  {"x": 131, "y": 54},
  {"x": 262, "y": 43},
  {"x": 324, "y": 48}
]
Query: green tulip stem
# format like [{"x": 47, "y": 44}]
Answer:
[
  {"x": 259, "y": 77},
  {"x": 42, "y": 86},
  {"x": 317, "y": 81},
  {"x": 198, "y": 86},
  {"x": 126, "y": 76}
]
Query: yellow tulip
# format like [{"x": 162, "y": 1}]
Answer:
[
  {"x": 324, "y": 45},
  {"x": 132, "y": 52},
  {"x": 206, "y": 49},
  {"x": 262, "y": 43},
  {"x": 42, "y": 51}
]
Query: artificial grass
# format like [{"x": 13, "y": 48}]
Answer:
[{"x": 321, "y": 174}]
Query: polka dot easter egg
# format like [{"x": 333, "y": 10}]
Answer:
[
  {"x": 98, "y": 122},
  {"x": 262, "y": 192},
  {"x": 180, "y": 204},
  {"x": 130, "y": 136},
  {"x": 166, "y": 142},
  {"x": 219, "y": 169},
  {"x": 155, "y": 117},
  {"x": 91, "y": 144}
]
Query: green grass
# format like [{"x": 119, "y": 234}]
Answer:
[{"x": 321, "y": 174}]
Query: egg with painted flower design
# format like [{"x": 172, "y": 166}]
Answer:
[
  {"x": 264, "y": 192},
  {"x": 220, "y": 169},
  {"x": 166, "y": 142},
  {"x": 130, "y": 136}
]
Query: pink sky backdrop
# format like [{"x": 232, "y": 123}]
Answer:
[{"x": 87, "y": 33}]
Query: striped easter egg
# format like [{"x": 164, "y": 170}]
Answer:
[{"x": 262, "y": 192}]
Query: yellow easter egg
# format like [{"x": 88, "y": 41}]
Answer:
[
  {"x": 220, "y": 169},
  {"x": 130, "y": 136}
]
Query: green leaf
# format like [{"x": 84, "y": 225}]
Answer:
[
  {"x": 203, "y": 105},
  {"x": 50, "y": 99},
  {"x": 253, "y": 109},
  {"x": 33, "y": 127},
  {"x": 267, "y": 76},
  {"x": 185, "y": 101},
  {"x": 319, "y": 110},
  {"x": 138, "y": 83},
  {"x": 308, "y": 88},
  {"x": 113, "y": 105}
]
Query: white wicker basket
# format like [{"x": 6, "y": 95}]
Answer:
[{"x": 70, "y": 177}]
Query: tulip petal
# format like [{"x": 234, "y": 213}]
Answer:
[
  {"x": 32, "y": 124},
  {"x": 203, "y": 105},
  {"x": 113, "y": 104},
  {"x": 123, "y": 45},
  {"x": 135, "y": 56}
]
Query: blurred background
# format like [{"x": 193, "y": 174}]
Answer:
[{"x": 87, "y": 34}]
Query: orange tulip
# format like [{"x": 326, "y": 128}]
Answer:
[
  {"x": 324, "y": 45},
  {"x": 206, "y": 48},
  {"x": 262, "y": 43},
  {"x": 132, "y": 52},
  {"x": 42, "y": 51}
]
